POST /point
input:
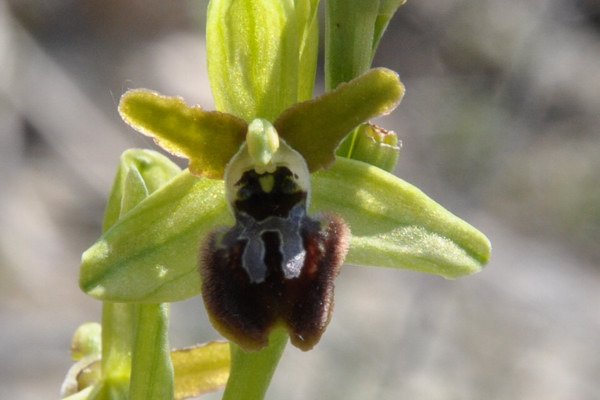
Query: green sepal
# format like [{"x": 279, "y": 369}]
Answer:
[
  {"x": 316, "y": 127},
  {"x": 207, "y": 138},
  {"x": 201, "y": 369},
  {"x": 262, "y": 55},
  {"x": 150, "y": 254},
  {"x": 396, "y": 225}
]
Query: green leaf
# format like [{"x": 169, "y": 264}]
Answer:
[
  {"x": 316, "y": 127},
  {"x": 396, "y": 225},
  {"x": 201, "y": 369},
  {"x": 150, "y": 254},
  {"x": 207, "y": 138},
  {"x": 262, "y": 55}
]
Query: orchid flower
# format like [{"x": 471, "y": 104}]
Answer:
[{"x": 267, "y": 212}]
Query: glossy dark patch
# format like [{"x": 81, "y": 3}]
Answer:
[
  {"x": 246, "y": 312},
  {"x": 255, "y": 202},
  {"x": 276, "y": 265}
]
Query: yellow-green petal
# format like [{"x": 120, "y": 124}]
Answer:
[
  {"x": 394, "y": 224},
  {"x": 200, "y": 369},
  {"x": 207, "y": 138},
  {"x": 315, "y": 128}
]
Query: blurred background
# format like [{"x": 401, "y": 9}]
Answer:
[{"x": 500, "y": 124}]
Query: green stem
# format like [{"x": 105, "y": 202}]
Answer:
[
  {"x": 349, "y": 36},
  {"x": 152, "y": 369},
  {"x": 117, "y": 322},
  {"x": 251, "y": 373}
]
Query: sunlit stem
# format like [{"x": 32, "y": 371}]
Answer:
[
  {"x": 117, "y": 322},
  {"x": 251, "y": 372}
]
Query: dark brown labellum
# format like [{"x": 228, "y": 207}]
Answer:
[{"x": 275, "y": 266}]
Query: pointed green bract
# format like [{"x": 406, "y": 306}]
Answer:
[
  {"x": 207, "y": 138},
  {"x": 261, "y": 55},
  {"x": 315, "y": 128},
  {"x": 154, "y": 170},
  {"x": 396, "y": 225},
  {"x": 201, "y": 369}
]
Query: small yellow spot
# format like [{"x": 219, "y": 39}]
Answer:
[
  {"x": 161, "y": 270},
  {"x": 267, "y": 182},
  {"x": 97, "y": 292}
]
